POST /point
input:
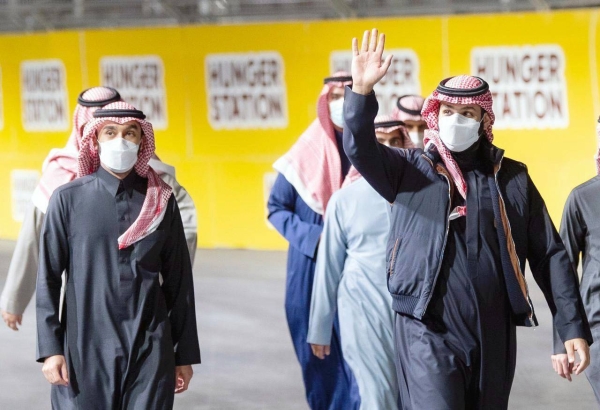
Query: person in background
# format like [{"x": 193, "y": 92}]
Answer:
[
  {"x": 309, "y": 173},
  {"x": 408, "y": 110},
  {"x": 350, "y": 279},
  {"x": 581, "y": 236},
  {"x": 60, "y": 167}
]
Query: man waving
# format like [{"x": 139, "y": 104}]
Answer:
[{"x": 464, "y": 220}]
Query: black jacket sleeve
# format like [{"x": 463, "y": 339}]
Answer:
[
  {"x": 381, "y": 166},
  {"x": 178, "y": 288},
  {"x": 553, "y": 271},
  {"x": 53, "y": 260}
]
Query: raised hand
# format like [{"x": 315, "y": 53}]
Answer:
[{"x": 368, "y": 67}]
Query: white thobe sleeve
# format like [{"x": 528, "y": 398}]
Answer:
[
  {"x": 328, "y": 274},
  {"x": 22, "y": 272}
]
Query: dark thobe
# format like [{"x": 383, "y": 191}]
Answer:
[
  {"x": 462, "y": 354},
  {"x": 129, "y": 315},
  {"x": 329, "y": 383},
  {"x": 580, "y": 231}
]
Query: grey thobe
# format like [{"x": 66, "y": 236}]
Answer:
[
  {"x": 580, "y": 231},
  {"x": 350, "y": 277},
  {"x": 20, "y": 281},
  {"x": 129, "y": 315}
]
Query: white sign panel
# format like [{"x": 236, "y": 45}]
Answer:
[
  {"x": 402, "y": 77},
  {"x": 528, "y": 85},
  {"x": 141, "y": 82},
  {"x": 44, "y": 97},
  {"x": 246, "y": 90},
  {"x": 23, "y": 183}
]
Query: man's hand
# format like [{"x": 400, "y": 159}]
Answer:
[
  {"x": 11, "y": 320},
  {"x": 320, "y": 351},
  {"x": 583, "y": 350},
  {"x": 560, "y": 364},
  {"x": 55, "y": 370},
  {"x": 367, "y": 64},
  {"x": 564, "y": 364},
  {"x": 183, "y": 375}
]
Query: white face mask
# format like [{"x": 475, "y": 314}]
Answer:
[
  {"x": 598, "y": 134},
  {"x": 458, "y": 132},
  {"x": 417, "y": 138},
  {"x": 118, "y": 154},
  {"x": 336, "y": 112}
]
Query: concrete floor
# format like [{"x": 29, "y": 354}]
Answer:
[{"x": 248, "y": 361}]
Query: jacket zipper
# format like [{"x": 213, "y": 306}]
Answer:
[
  {"x": 511, "y": 239},
  {"x": 445, "y": 236},
  {"x": 393, "y": 261}
]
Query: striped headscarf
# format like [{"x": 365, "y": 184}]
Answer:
[
  {"x": 389, "y": 123},
  {"x": 462, "y": 89},
  {"x": 313, "y": 165},
  {"x": 408, "y": 108},
  {"x": 158, "y": 192},
  {"x": 60, "y": 166}
]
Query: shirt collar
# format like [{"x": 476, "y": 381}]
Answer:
[{"x": 115, "y": 185}]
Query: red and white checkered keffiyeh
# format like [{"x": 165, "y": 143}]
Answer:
[
  {"x": 313, "y": 165},
  {"x": 157, "y": 193},
  {"x": 410, "y": 103},
  {"x": 430, "y": 112},
  {"x": 383, "y": 119},
  {"x": 60, "y": 166}
]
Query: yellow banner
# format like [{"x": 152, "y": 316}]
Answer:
[{"x": 228, "y": 100}]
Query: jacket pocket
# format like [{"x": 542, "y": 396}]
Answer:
[{"x": 411, "y": 263}]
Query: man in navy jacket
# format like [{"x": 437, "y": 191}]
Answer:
[{"x": 464, "y": 220}]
